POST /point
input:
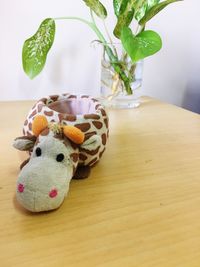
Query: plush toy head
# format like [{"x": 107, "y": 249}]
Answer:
[{"x": 44, "y": 181}]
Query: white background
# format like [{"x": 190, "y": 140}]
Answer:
[{"x": 73, "y": 65}]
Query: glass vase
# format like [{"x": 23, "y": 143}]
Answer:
[{"x": 114, "y": 92}]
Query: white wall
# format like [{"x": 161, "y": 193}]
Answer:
[{"x": 72, "y": 65}]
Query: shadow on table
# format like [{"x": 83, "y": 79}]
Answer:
[{"x": 191, "y": 100}]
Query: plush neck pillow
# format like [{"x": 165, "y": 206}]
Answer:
[{"x": 65, "y": 136}]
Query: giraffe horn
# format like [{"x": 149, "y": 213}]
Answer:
[
  {"x": 39, "y": 124},
  {"x": 74, "y": 134}
]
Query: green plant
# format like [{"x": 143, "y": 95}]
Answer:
[{"x": 138, "y": 43}]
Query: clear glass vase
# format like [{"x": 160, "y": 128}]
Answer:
[{"x": 113, "y": 88}]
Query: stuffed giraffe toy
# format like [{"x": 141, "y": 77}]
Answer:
[{"x": 65, "y": 136}]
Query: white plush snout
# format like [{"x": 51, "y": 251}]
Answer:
[{"x": 43, "y": 184}]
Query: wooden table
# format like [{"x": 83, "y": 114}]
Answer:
[{"x": 140, "y": 206}]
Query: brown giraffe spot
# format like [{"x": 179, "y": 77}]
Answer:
[
  {"x": 97, "y": 106},
  {"x": 60, "y": 116},
  {"x": 97, "y": 124},
  {"x": 23, "y": 132},
  {"x": 66, "y": 117},
  {"x": 68, "y": 143},
  {"x": 58, "y": 136},
  {"x": 84, "y": 96},
  {"x": 108, "y": 133},
  {"x": 39, "y": 107},
  {"x": 103, "y": 137},
  {"x": 45, "y": 132},
  {"x": 48, "y": 113},
  {"x": 106, "y": 122},
  {"x": 24, "y": 163},
  {"x": 90, "y": 152},
  {"x": 29, "y": 134},
  {"x": 34, "y": 106},
  {"x": 52, "y": 120},
  {"x": 74, "y": 157},
  {"x": 94, "y": 100},
  {"x": 72, "y": 96},
  {"x": 84, "y": 127},
  {"x": 70, "y": 118},
  {"x": 44, "y": 100},
  {"x": 30, "y": 126},
  {"x": 54, "y": 97},
  {"x": 103, "y": 112},
  {"x": 92, "y": 162},
  {"x": 26, "y": 122},
  {"x": 82, "y": 157},
  {"x": 88, "y": 135},
  {"x": 73, "y": 145},
  {"x": 33, "y": 114},
  {"x": 74, "y": 170},
  {"x": 101, "y": 153},
  {"x": 92, "y": 116}
]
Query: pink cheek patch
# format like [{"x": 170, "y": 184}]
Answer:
[
  {"x": 53, "y": 193},
  {"x": 20, "y": 188}
]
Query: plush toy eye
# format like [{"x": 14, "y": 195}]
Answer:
[
  {"x": 38, "y": 151},
  {"x": 60, "y": 157}
]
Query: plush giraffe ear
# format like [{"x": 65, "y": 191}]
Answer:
[
  {"x": 74, "y": 134},
  {"x": 24, "y": 143},
  {"x": 39, "y": 124}
]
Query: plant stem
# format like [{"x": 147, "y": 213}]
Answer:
[
  {"x": 139, "y": 29},
  {"x": 92, "y": 25},
  {"x": 113, "y": 59},
  {"x": 109, "y": 37},
  {"x": 99, "y": 34},
  {"x": 74, "y": 18}
]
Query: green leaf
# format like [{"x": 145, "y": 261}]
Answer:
[
  {"x": 129, "y": 9},
  {"x": 154, "y": 10},
  {"x": 116, "y": 6},
  {"x": 144, "y": 8},
  {"x": 36, "y": 48},
  {"x": 152, "y": 3},
  {"x": 141, "y": 12},
  {"x": 142, "y": 45},
  {"x": 126, "y": 14},
  {"x": 120, "y": 6},
  {"x": 97, "y": 7},
  {"x": 124, "y": 5},
  {"x": 138, "y": 4}
]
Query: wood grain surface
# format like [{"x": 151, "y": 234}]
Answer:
[{"x": 140, "y": 207}]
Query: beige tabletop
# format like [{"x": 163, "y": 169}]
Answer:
[{"x": 140, "y": 207}]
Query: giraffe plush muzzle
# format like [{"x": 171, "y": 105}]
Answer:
[{"x": 63, "y": 144}]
